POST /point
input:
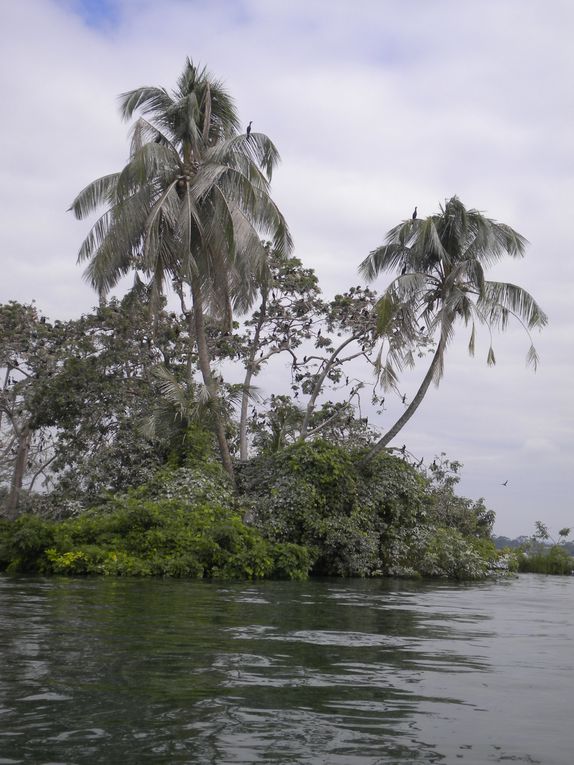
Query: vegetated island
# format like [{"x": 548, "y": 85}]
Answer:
[{"x": 126, "y": 452}]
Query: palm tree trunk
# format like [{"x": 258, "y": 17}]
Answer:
[
  {"x": 411, "y": 408},
  {"x": 208, "y": 379}
]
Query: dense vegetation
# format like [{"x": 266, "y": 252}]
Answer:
[
  {"x": 133, "y": 440},
  {"x": 543, "y": 554},
  {"x": 309, "y": 508}
]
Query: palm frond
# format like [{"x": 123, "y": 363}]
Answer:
[
  {"x": 532, "y": 358},
  {"x": 385, "y": 309},
  {"x": 149, "y": 100},
  {"x": 100, "y": 192},
  {"x": 387, "y": 377},
  {"x": 500, "y": 296},
  {"x": 490, "y": 358},
  {"x": 472, "y": 341},
  {"x": 385, "y": 258},
  {"x": 153, "y": 162}
]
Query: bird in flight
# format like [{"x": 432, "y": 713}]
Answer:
[
  {"x": 414, "y": 215},
  {"x": 505, "y": 483},
  {"x": 248, "y": 131}
]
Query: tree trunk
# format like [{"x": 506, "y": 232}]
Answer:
[
  {"x": 208, "y": 379},
  {"x": 24, "y": 441},
  {"x": 411, "y": 408},
  {"x": 247, "y": 382},
  {"x": 243, "y": 415}
]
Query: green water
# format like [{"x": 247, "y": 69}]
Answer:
[{"x": 337, "y": 672}]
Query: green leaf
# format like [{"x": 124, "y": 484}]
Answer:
[{"x": 386, "y": 310}]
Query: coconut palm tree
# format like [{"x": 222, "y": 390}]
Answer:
[
  {"x": 190, "y": 208},
  {"x": 441, "y": 262}
]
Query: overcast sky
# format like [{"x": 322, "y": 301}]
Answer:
[{"x": 375, "y": 106}]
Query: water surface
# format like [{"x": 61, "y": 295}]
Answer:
[{"x": 332, "y": 672}]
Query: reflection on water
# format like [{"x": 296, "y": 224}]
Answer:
[{"x": 325, "y": 672}]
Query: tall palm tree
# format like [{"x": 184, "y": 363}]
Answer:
[
  {"x": 190, "y": 208},
  {"x": 441, "y": 261}
]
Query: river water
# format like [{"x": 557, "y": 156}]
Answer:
[{"x": 330, "y": 672}]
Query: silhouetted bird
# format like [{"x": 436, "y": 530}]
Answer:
[
  {"x": 414, "y": 213},
  {"x": 504, "y": 484},
  {"x": 404, "y": 398},
  {"x": 248, "y": 131}
]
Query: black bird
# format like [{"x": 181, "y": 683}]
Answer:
[
  {"x": 404, "y": 398},
  {"x": 414, "y": 214},
  {"x": 505, "y": 483},
  {"x": 248, "y": 131}
]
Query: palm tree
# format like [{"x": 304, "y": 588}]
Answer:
[
  {"x": 190, "y": 208},
  {"x": 441, "y": 261}
]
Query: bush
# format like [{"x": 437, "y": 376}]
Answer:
[
  {"x": 317, "y": 495},
  {"x": 444, "y": 552},
  {"x": 145, "y": 538}
]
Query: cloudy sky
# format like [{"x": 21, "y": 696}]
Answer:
[{"x": 375, "y": 106}]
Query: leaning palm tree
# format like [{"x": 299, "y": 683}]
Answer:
[
  {"x": 441, "y": 261},
  {"x": 189, "y": 208}
]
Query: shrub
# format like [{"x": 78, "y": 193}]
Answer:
[
  {"x": 317, "y": 495},
  {"x": 144, "y": 538},
  {"x": 444, "y": 552}
]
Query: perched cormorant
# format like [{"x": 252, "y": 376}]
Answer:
[
  {"x": 248, "y": 131},
  {"x": 414, "y": 213}
]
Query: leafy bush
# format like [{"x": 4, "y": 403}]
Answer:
[
  {"x": 144, "y": 538},
  {"x": 23, "y": 541},
  {"x": 317, "y": 495},
  {"x": 310, "y": 506},
  {"x": 444, "y": 552}
]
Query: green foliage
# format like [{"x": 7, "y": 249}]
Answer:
[
  {"x": 315, "y": 494},
  {"x": 446, "y": 553},
  {"x": 447, "y": 509},
  {"x": 135, "y": 536},
  {"x": 542, "y": 554},
  {"x": 552, "y": 560},
  {"x": 23, "y": 541}
]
